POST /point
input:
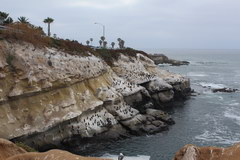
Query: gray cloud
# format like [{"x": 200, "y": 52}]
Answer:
[{"x": 143, "y": 24}]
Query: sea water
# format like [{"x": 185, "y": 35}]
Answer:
[{"x": 209, "y": 119}]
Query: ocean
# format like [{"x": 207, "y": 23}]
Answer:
[{"x": 208, "y": 119}]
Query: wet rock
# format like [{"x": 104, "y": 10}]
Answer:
[
  {"x": 161, "y": 59},
  {"x": 144, "y": 124},
  {"x": 135, "y": 124},
  {"x": 158, "y": 123},
  {"x": 151, "y": 129},
  {"x": 227, "y": 90},
  {"x": 163, "y": 97},
  {"x": 160, "y": 115}
]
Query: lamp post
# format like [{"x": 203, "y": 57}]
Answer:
[{"x": 103, "y": 28}]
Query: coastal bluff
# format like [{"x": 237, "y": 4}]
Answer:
[
  {"x": 48, "y": 97},
  {"x": 192, "y": 152}
]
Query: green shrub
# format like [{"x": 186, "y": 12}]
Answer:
[{"x": 26, "y": 147}]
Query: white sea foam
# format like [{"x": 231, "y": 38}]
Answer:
[
  {"x": 232, "y": 114},
  {"x": 220, "y": 98},
  {"x": 234, "y": 104},
  {"x": 115, "y": 157},
  {"x": 217, "y": 137},
  {"x": 212, "y": 85},
  {"x": 196, "y": 74}
]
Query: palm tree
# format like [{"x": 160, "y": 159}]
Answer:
[
  {"x": 102, "y": 38},
  {"x": 48, "y": 20},
  {"x": 112, "y": 44},
  {"x": 55, "y": 36},
  {"x": 4, "y": 18},
  {"x": 100, "y": 42},
  {"x": 88, "y": 42},
  {"x": 122, "y": 43},
  {"x": 9, "y": 20},
  {"x": 4, "y": 15},
  {"x": 119, "y": 42},
  {"x": 104, "y": 44},
  {"x": 91, "y": 39},
  {"x": 23, "y": 20}
]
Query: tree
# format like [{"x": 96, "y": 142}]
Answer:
[
  {"x": 91, "y": 39},
  {"x": 4, "y": 15},
  {"x": 23, "y": 20},
  {"x": 102, "y": 38},
  {"x": 5, "y": 19},
  {"x": 104, "y": 44},
  {"x": 55, "y": 36},
  {"x": 119, "y": 43},
  {"x": 122, "y": 43},
  {"x": 100, "y": 42},
  {"x": 112, "y": 44},
  {"x": 88, "y": 42},
  {"x": 119, "y": 39},
  {"x": 48, "y": 20},
  {"x": 9, "y": 20}
]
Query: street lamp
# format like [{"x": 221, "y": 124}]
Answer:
[{"x": 103, "y": 28}]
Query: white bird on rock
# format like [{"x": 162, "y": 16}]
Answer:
[{"x": 121, "y": 156}]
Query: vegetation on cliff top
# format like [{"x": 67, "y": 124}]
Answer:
[{"x": 24, "y": 31}]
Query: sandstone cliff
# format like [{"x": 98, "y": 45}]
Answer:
[
  {"x": 10, "y": 151},
  {"x": 192, "y": 152},
  {"x": 48, "y": 96}
]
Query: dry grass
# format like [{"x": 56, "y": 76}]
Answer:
[
  {"x": 23, "y": 32},
  {"x": 18, "y": 32}
]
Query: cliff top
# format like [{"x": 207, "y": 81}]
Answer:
[{"x": 20, "y": 33}]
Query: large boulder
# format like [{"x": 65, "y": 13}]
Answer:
[
  {"x": 51, "y": 155},
  {"x": 192, "y": 152},
  {"x": 10, "y": 151}
]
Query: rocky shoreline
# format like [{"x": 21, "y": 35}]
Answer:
[
  {"x": 11, "y": 151},
  {"x": 163, "y": 59},
  {"x": 47, "y": 106}
]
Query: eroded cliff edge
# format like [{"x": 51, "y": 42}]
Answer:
[
  {"x": 192, "y": 152},
  {"x": 48, "y": 96}
]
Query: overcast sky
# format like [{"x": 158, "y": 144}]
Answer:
[{"x": 197, "y": 24}]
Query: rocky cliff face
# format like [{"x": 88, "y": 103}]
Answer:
[
  {"x": 10, "y": 151},
  {"x": 48, "y": 96},
  {"x": 192, "y": 152}
]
